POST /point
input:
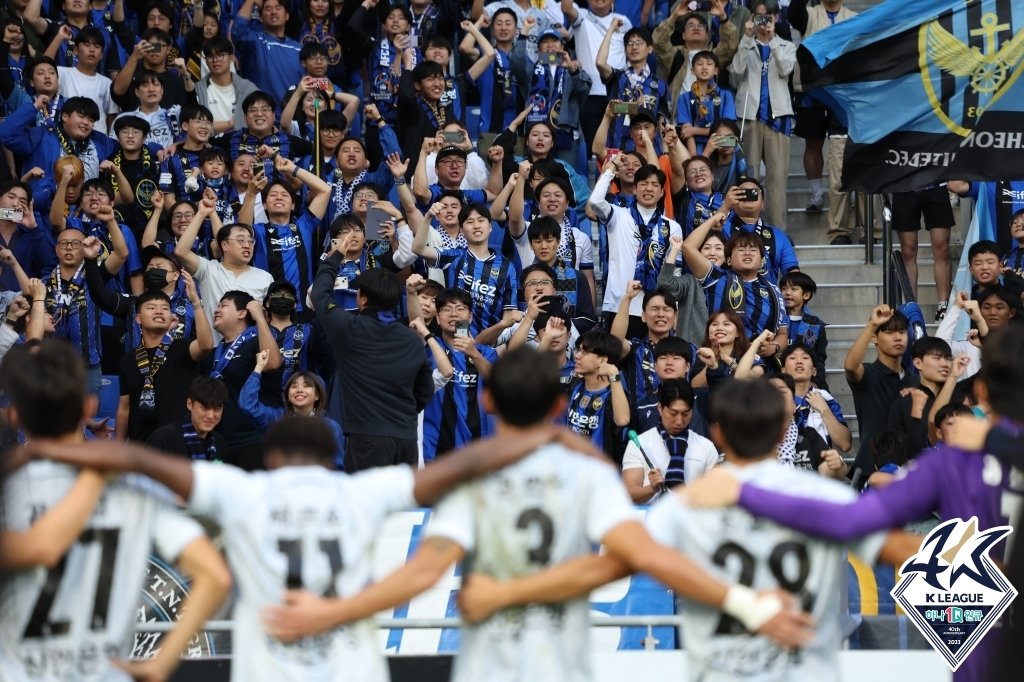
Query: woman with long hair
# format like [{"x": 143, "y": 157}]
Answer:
[{"x": 723, "y": 345}]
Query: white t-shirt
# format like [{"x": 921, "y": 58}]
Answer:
[
  {"x": 215, "y": 280},
  {"x": 476, "y": 171},
  {"x": 590, "y": 31},
  {"x": 221, "y": 101},
  {"x": 735, "y": 546},
  {"x": 164, "y": 125},
  {"x": 67, "y": 622},
  {"x": 547, "y": 508},
  {"x": 74, "y": 83},
  {"x": 701, "y": 455},
  {"x": 584, "y": 248},
  {"x": 303, "y": 528}
]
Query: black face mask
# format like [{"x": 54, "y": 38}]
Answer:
[
  {"x": 154, "y": 278},
  {"x": 281, "y": 306}
]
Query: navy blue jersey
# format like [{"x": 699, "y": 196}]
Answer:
[
  {"x": 286, "y": 252},
  {"x": 120, "y": 283},
  {"x": 175, "y": 169},
  {"x": 779, "y": 254},
  {"x": 294, "y": 342},
  {"x": 757, "y": 301},
  {"x": 696, "y": 210},
  {"x": 455, "y": 415},
  {"x": 1015, "y": 260},
  {"x": 590, "y": 415},
  {"x": 639, "y": 367},
  {"x": 76, "y": 318},
  {"x": 499, "y": 94},
  {"x": 491, "y": 282},
  {"x": 810, "y": 331}
]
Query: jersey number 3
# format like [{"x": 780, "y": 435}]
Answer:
[{"x": 39, "y": 624}]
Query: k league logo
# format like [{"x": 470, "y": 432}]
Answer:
[{"x": 952, "y": 590}]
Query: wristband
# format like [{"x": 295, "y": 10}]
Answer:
[
  {"x": 746, "y": 606},
  {"x": 399, "y": 180},
  {"x": 295, "y": 171},
  {"x": 430, "y": 335}
]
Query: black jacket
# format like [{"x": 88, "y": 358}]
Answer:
[{"x": 383, "y": 371}]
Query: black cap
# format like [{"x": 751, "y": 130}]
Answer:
[
  {"x": 451, "y": 150},
  {"x": 643, "y": 115},
  {"x": 153, "y": 251},
  {"x": 131, "y": 121}
]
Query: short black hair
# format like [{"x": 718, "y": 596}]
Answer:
[
  {"x": 750, "y": 415},
  {"x": 524, "y": 385},
  {"x": 1002, "y": 371},
  {"x": 929, "y": 345},
  {"x": 562, "y": 183},
  {"x": 951, "y": 410},
  {"x": 601, "y": 343},
  {"x": 648, "y": 171},
  {"x": 256, "y": 97},
  {"x": 191, "y": 112},
  {"x": 312, "y": 49},
  {"x": 45, "y": 382},
  {"x": 786, "y": 379},
  {"x": 889, "y": 447},
  {"x": 151, "y": 295},
  {"x": 897, "y": 323},
  {"x": 983, "y": 246},
  {"x": 997, "y": 290},
  {"x": 218, "y": 45},
  {"x": 301, "y": 437},
  {"x": 670, "y": 300},
  {"x": 159, "y": 34},
  {"x": 92, "y": 35},
  {"x": 438, "y": 41},
  {"x": 426, "y": 69},
  {"x": 801, "y": 280},
  {"x": 638, "y": 32},
  {"x": 544, "y": 227},
  {"x": 241, "y": 300},
  {"x": 536, "y": 267},
  {"x": 380, "y": 287},
  {"x": 673, "y": 345},
  {"x": 346, "y": 220},
  {"x": 475, "y": 207},
  {"x": 505, "y": 10},
  {"x": 332, "y": 120},
  {"x": 11, "y": 184},
  {"x": 101, "y": 184},
  {"x": 81, "y": 105},
  {"x": 672, "y": 390},
  {"x": 792, "y": 348},
  {"x": 691, "y": 16},
  {"x": 208, "y": 391},
  {"x": 709, "y": 55},
  {"x": 213, "y": 154},
  {"x": 224, "y": 233}
]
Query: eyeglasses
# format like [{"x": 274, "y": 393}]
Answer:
[
  {"x": 69, "y": 244},
  {"x": 453, "y": 309},
  {"x": 243, "y": 241},
  {"x": 453, "y": 163},
  {"x": 316, "y": 58},
  {"x": 217, "y": 57},
  {"x": 369, "y": 196},
  {"x": 182, "y": 216},
  {"x": 694, "y": 172},
  {"x": 635, "y": 43},
  {"x": 260, "y": 110},
  {"x": 539, "y": 283},
  {"x": 350, "y": 228}
]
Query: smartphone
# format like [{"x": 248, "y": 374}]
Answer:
[
  {"x": 726, "y": 141},
  {"x": 462, "y": 329},
  {"x": 625, "y": 108},
  {"x": 257, "y": 167},
  {"x": 762, "y": 20},
  {"x": 551, "y": 57},
  {"x": 555, "y": 305},
  {"x": 15, "y": 215},
  {"x": 375, "y": 218},
  {"x": 321, "y": 84},
  {"x": 704, "y": 6},
  {"x": 750, "y": 194},
  {"x": 153, "y": 48},
  {"x": 453, "y": 137}
]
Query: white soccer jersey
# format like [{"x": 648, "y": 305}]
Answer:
[
  {"x": 67, "y": 622},
  {"x": 300, "y": 527},
  {"x": 547, "y": 508},
  {"x": 735, "y": 546}
]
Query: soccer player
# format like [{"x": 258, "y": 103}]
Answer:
[
  {"x": 727, "y": 544},
  {"x": 547, "y": 508},
  {"x": 302, "y": 526},
  {"x": 957, "y": 483},
  {"x": 67, "y": 617}
]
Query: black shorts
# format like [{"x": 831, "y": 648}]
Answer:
[
  {"x": 811, "y": 122},
  {"x": 932, "y": 203}
]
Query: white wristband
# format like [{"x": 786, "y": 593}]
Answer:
[{"x": 751, "y": 609}]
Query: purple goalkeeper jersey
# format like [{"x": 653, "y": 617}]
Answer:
[{"x": 955, "y": 483}]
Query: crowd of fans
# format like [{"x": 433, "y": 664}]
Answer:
[{"x": 248, "y": 211}]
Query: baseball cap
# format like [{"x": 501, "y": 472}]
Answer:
[{"x": 451, "y": 150}]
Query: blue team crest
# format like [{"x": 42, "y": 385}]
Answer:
[
  {"x": 969, "y": 60},
  {"x": 952, "y": 590}
]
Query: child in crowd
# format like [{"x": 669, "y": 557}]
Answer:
[
  {"x": 706, "y": 103},
  {"x": 804, "y": 327}
]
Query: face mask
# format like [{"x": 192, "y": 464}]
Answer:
[
  {"x": 155, "y": 278},
  {"x": 281, "y": 306}
]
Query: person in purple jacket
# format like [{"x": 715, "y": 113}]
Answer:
[{"x": 957, "y": 483}]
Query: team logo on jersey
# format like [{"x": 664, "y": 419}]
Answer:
[
  {"x": 952, "y": 590},
  {"x": 495, "y": 272},
  {"x": 584, "y": 401},
  {"x": 598, "y": 402},
  {"x": 299, "y": 335}
]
